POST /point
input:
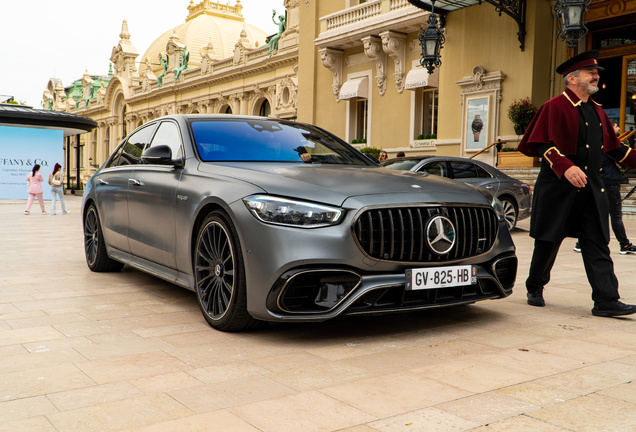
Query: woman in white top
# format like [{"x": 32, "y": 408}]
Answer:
[{"x": 55, "y": 180}]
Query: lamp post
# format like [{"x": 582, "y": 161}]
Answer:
[
  {"x": 432, "y": 39},
  {"x": 571, "y": 20}
]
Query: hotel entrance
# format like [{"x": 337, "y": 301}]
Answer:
[{"x": 615, "y": 39}]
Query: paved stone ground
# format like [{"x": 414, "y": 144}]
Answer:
[{"x": 81, "y": 351}]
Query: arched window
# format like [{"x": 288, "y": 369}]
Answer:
[
  {"x": 228, "y": 110},
  {"x": 265, "y": 109}
]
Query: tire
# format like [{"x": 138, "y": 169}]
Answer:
[
  {"x": 219, "y": 275},
  {"x": 510, "y": 212},
  {"x": 94, "y": 245}
]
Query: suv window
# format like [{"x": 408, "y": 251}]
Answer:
[
  {"x": 464, "y": 170},
  {"x": 130, "y": 152},
  {"x": 168, "y": 134}
]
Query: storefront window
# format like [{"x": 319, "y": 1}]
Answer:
[
  {"x": 362, "y": 113},
  {"x": 615, "y": 37},
  {"x": 630, "y": 96},
  {"x": 429, "y": 112}
]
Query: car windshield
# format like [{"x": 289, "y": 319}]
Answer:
[
  {"x": 270, "y": 141},
  {"x": 401, "y": 164}
]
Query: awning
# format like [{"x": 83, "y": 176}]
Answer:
[
  {"x": 356, "y": 87},
  {"x": 417, "y": 77}
]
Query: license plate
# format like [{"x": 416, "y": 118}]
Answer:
[{"x": 440, "y": 277}]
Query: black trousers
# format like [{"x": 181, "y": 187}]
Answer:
[
  {"x": 599, "y": 267},
  {"x": 616, "y": 213}
]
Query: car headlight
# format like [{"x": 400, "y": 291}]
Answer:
[
  {"x": 498, "y": 207},
  {"x": 297, "y": 214}
]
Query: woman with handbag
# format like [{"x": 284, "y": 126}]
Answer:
[
  {"x": 34, "y": 180},
  {"x": 55, "y": 180}
]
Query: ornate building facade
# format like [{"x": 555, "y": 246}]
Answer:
[
  {"x": 212, "y": 63},
  {"x": 353, "y": 67}
]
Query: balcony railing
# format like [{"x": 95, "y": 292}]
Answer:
[
  {"x": 399, "y": 4},
  {"x": 354, "y": 14}
]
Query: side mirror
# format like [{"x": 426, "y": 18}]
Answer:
[{"x": 160, "y": 155}]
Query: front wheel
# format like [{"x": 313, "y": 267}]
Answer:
[
  {"x": 219, "y": 275},
  {"x": 510, "y": 213},
  {"x": 94, "y": 245}
]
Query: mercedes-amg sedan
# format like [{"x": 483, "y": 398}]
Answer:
[{"x": 269, "y": 220}]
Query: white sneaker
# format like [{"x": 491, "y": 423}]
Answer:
[
  {"x": 26, "y": 212},
  {"x": 45, "y": 212},
  {"x": 53, "y": 214},
  {"x": 66, "y": 212}
]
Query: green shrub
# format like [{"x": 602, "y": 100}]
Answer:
[{"x": 374, "y": 151}]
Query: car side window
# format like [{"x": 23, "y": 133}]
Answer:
[
  {"x": 435, "y": 168},
  {"x": 482, "y": 173},
  {"x": 114, "y": 161},
  {"x": 168, "y": 134},
  {"x": 130, "y": 152},
  {"x": 464, "y": 170}
]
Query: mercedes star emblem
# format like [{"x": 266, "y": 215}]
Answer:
[{"x": 440, "y": 234}]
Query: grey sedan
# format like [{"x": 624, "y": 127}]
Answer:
[
  {"x": 515, "y": 195},
  {"x": 269, "y": 220}
]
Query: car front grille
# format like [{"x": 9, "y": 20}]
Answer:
[{"x": 398, "y": 234}]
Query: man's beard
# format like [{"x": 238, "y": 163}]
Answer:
[{"x": 589, "y": 90}]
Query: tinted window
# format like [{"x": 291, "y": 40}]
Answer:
[
  {"x": 168, "y": 134},
  {"x": 463, "y": 170},
  {"x": 115, "y": 159},
  {"x": 435, "y": 168},
  {"x": 405, "y": 164},
  {"x": 133, "y": 148},
  {"x": 482, "y": 173},
  {"x": 270, "y": 141}
]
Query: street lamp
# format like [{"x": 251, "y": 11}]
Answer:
[
  {"x": 431, "y": 41},
  {"x": 571, "y": 20}
]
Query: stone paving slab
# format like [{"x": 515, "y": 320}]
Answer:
[{"x": 83, "y": 351}]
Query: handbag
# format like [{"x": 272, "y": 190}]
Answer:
[{"x": 55, "y": 182}]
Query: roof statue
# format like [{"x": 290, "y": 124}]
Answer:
[
  {"x": 282, "y": 25},
  {"x": 164, "y": 63},
  {"x": 183, "y": 66}
]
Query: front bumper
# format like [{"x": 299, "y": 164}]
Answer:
[{"x": 276, "y": 255}]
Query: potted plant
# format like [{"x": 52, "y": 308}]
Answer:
[{"x": 520, "y": 112}]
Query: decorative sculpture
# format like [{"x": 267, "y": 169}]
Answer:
[
  {"x": 89, "y": 96},
  {"x": 282, "y": 25},
  {"x": 183, "y": 66},
  {"x": 164, "y": 63}
]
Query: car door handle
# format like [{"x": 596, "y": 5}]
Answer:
[
  {"x": 102, "y": 182},
  {"x": 135, "y": 182},
  {"x": 490, "y": 187}
]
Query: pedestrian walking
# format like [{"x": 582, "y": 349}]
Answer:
[
  {"x": 612, "y": 179},
  {"x": 34, "y": 180},
  {"x": 571, "y": 133},
  {"x": 55, "y": 180}
]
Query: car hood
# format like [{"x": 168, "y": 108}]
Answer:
[{"x": 334, "y": 184}]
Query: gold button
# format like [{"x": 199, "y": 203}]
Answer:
[
  {"x": 602, "y": 190},
  {"x": 585, "y": 167},
  {"x": 587, "y": 145},
  {"x": 600, "y": 124},
  {"x": 601, "y": 169},
  {"x": 601, "y": 146},
  {"x": 586, "y": 124}
]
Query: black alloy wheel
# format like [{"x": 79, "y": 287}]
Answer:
[
  {"x": 220, "y": 275},
  {"x": 94, "y": 245},
  {"x": 510, "y": 213}
]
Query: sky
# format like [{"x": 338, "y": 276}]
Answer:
[{"x": 43, "y": 39}]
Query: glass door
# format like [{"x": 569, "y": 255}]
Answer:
[{"x": 628, "y": 98}]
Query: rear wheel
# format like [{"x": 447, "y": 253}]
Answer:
[
  {"x": 510, "y": 212},
  {"x": 220, "y": 275},
  {"x": 94, "y": 245}
]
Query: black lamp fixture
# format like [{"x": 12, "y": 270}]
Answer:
[
  {"x": 571, "y": 20},
  {"x": 432, "y": 40}
]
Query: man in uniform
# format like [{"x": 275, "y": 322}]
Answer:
[{"x": 571, "y": 133}]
